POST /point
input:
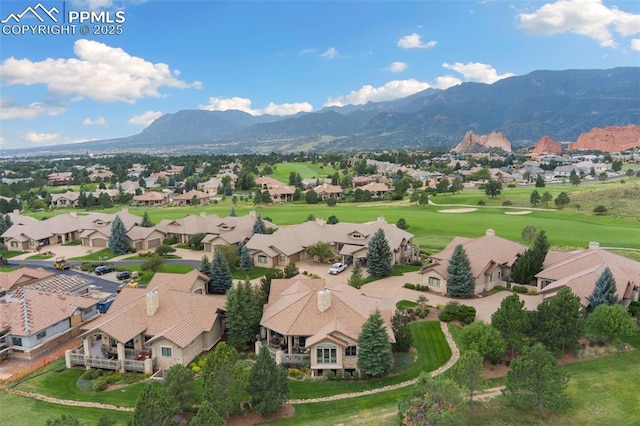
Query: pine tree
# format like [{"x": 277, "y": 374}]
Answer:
[
  {"x": 223, "y": 381},
  {"x": 460, "y": 282},
  {"x": 356, "y": 280},
  {"x": 205, "y": 265},
  {"x": 513, "y": 321},
  {"x": 401, "y": 331},
  {"x": 379, "y": 255},
  {"x": 530, "y": 262},
  {"x": 605, "y": 290},
  {"x": 535, "y": 380},
  {"x": 467, "y": 372},
  {"x": 178, "y": 385},
  {"x": 206, "y": 416},
  {"x": 221, "y": 279},
  {"x": 246, "y": 263},
  {"x": 152, "y": 407},
  {"x": 258, "y": 226},
  {"x": 268, "y": 384},
  {"x": 433, "y": 401},
  {"x": 118, "y": 241},
  {"x": 146, "y": 221},
  {"x": 244, "y": 312},
  {"x": 233, "y": 211},
  {"x": 559, "y": 322},
  {"x": 374, "y": 350}
]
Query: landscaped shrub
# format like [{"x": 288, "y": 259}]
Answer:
[
  {"x": 91, "y": 374},
  {"x": 114, "y": 378},
  {"x": 355, "y": 375},
  {"x": 164, "y": 250},
  {"x": 410, "y": 286},
  {"x": 520, "y": 289},
  {"x": 196, "y": 369},
  {"x": 481, "y": 202},
  {"x": 100, "y": 384},
  {"x": 330, "y": 375},
  {"x": 446, "y": 316},
  {"x": 507, "y": 203},
  {"x": 600, "y": 209},
  {"x": 467, "y": 314},
  {"x": 634, "y": 309},
  {"x": 169, "y": 241}
]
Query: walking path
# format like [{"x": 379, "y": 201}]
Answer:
[
  {"x": 455, "y": 355},
  {"x": 69, "y": 402}
]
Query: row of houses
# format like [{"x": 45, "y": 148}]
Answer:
[{"x": 492, "y": 258}]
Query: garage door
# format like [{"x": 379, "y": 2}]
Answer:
[
  {"x": 99, "y": 243},
  {"x": 155, "y": 243}
]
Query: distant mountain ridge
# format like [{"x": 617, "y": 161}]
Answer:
[{"x": 560, "y": 104}]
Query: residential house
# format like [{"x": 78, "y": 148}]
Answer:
[
  {"x": 326, "y": 191},
  {"x": 191, "y": 282},
  {"x": 151, "y": 199},
  {"x": 66, "y": 199},
  {"x": 304, "y": 321},
  {"x": 40, "y": 313},
  {"x": 57, "y": 179},
  {"x": 490, "y": 256},
  {"x": 278, "y": 191},
  {"x": 267, "y": 182},
  {"x": 211, "y": 186},
  {"x": 349, "y": 240},
  {"x": 193, "y": 197},
  {"x": 376, "y": 189},
  {"x": 147, "y": 330},
  {"x": 579, "y": 270},
  {"x": 142, "y": 238},
  {"x": 21, "y": 276}
]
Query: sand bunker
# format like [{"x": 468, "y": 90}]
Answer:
[
  {"x": 519, "y": 212},
  {"x": 457, "y": 211}
]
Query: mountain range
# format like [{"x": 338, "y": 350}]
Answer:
[{"x": 560, "y": 104}]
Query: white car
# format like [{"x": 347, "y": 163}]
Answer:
[{"x": 336, "y": 268}]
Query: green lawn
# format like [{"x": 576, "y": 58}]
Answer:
[
  {"x": 432, "y": 352},
  {"x": 104, "y": 254},
  {"x": 21, "y": 411},
  {"x": 255, "y": 272},
  {"x": 306, "y": 170}
]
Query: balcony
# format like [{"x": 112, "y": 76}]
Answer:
[{"x": 99, "y": 358}]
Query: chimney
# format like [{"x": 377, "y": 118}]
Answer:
[
  {"x": 490, "y": 232},
  {"x": 593, "y": 245},
  {"x": 153, "y": 302},
  {"x": 324, "y": 299},
  {"x": 203, "y": 214}
]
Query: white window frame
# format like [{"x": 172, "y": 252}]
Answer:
[{"x": 163, "y": 353}]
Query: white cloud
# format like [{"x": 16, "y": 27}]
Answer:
[
  {"x": 635, "y": 44},
  {"x": 244, "y": 104},
  {"x": 590, "y": 18},
  {"x": 476, "y": 71},
  {"x": 414, "y": 41},
  {"x": 391, "y": 90},
  {"x": 100, "y": 121},
  {"x": 446, "y": 81},
  {"x": 100, "y": 72},
  {"x": 330, "y": 53},
  {"x": 145, "y": 118},
  {"x": 40, "y": 138},
  {"x": 397, "y": 67},
  {"x": 306, "y": 51},
  {"x": 10, "y": 111}
]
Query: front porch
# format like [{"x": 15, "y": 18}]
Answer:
[
  {"x": 93, "y": 354},
  {"x": 284, "y": 349}
]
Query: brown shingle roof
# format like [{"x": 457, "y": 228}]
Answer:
[{"x": 21, "y": 276}]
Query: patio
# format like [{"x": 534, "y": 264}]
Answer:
[{"x": 106, "y": 357}]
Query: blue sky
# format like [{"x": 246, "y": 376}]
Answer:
[{"x": 280, "y": 57}]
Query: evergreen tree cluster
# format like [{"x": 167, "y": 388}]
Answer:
[{"x": 530, "y": 262}]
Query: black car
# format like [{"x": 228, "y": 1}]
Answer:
[
  {"x": 104, "y": 269},
  {"x": 123, "y": 275}
]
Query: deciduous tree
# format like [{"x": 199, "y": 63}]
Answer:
[
  {"x": 535, "y": 199},
  {"x": 224, "y": 384},
  {"x": 374, "y": 350},
  {"x": 608, "y": 323},
  {"x": 433, "y": 401},
  {"x": 546, "y": 198},
  {"x": 493, "y": 188},
  {"x": 401, "y": 331},
  {"x": 467, "y": 372},
  {"x": 484, "y": 339}
]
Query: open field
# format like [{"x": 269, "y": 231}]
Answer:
[{"x": 306, "y": 170}]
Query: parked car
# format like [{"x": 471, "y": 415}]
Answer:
[
  {"x": 104, "y": 305},
  {"x": 336, "y": 268},
  {"x": 123, "y": 275},
  {"x": 104, "y": 269}
]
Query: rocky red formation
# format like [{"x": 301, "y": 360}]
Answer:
[
  {"x": 472, "y": 142},
  {"x": 609, "y": 139},
  {"x": 546, "y": 145}
]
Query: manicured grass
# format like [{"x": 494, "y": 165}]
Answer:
[
  {"x": 432, "y": 351},
  {"x": 255, "y": 272},
  {"x": 104, "y": 254},
  {"x": 39, "y": 257},
  {"x": 406, "y": 304},
  {"x": 145, "y": 276},
  {"x": 21, "y": 411},
  {"x": 62, "y": 385},
  {"x": 306, "y": 170},
  {"x": 10, "y": 254},
  {"x": 73, "y": 243}
]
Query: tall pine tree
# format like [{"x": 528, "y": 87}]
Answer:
[
  {"x": 205, "y": 265},
  {"x": 604, "y": 291},
  {"x": 221, "y": 279},
  {"x": 268, "y": 384},
  {"x": 246, "y": 263},
  {"x": 513, "y": 321},
  {"x": 146, "y": 221},
  {"x": 258, "y": 226},
  {"x": 374, "y": 350},
  {"x": 224, "y": 381},
  {"x": 379, "y": 255},
  {"x": 460, "y": 282},
  {"x": 152, "y": 407},
  {"x": 244, "y": 312},
  {"x": 356, "y": 280},
  {"x": 118, "y": 241},
  {"x": 558, "y": 322},
  {"x": 530, "y": 262}
]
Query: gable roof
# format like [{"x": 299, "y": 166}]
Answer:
[
  {"x": 21, "y": 276},
  {"x": 581, "y": 269},
  {"x": 484, "y": 252},
  {"x": 181, "y": 317},
  {"x": 292, "y": 309},
  {"x": 180, "y": 282}
]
